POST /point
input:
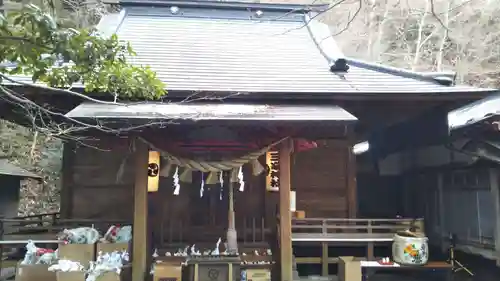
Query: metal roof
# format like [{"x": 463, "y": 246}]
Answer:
[
  {"x": 211, "y": 111},
  {"x": 474, "y": 112},
  {"x": 8, "y": 169},
  {"x": 221, "y": 46}
]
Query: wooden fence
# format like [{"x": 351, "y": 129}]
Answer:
[{"x": 252, "y": 232}]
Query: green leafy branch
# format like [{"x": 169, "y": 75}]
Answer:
[{"x": 42, "y": 48}]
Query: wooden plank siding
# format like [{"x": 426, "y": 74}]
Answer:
[
  {"x": 319, "y": 176},
  {"x": 101, "y": 181}
]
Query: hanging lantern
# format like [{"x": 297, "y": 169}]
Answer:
[
  {"x": 272, "y": 168},
  {"x": 153, "y": 171}
]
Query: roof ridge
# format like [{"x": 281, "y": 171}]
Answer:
[
  {"x": 299, "y": 8},
  {"x": 439, "y": 78},
  {"x": 327, "y": 46}
]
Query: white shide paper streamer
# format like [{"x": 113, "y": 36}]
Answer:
[
  {"x": 202, "y": 187},
  {"x": 240, "y": 179},
  {"x": 221, "y": 180},
  {"x": 177, "y": 186}
]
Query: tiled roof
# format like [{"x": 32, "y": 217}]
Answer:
[{"x": 221, "y": 46}]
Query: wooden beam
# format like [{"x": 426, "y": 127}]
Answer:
[
  {"x": 140, "y": 227},
  {"x": 324, "y": 259},
  {"x": 232, "y": 236},
  {"x": 314, "y": 260},
  {"x": 442, "y": 221},
  {"x": 317, "y": 260},
  {"x": 352, "y": 199},
  {"x": 495, "y": 194},
  {"x": 68, "y": 162},
  {"x": 285, "y": 214}
]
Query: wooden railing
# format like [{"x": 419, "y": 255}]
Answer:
[
  {"x": 44, "y": 227},
  {"x": 30, "y": 221},
  {"x": 250, "y": 231},
  {"x": 32, "y": 225},
  {"x": 347, "y": 232},
  {"x": 359, "y": 227}
]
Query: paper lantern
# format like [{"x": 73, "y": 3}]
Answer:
[
  {"x": 272, "y": 167},
  {"x": 153, "y": 171}
]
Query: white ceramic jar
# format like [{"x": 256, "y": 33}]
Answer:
[{"x": 410, "y": 250}]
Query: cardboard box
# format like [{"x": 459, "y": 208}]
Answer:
[
  {"x": 109, "y": 276},
  {"x": 299, "y": 214},
  {"x": 38, "y": 272},
  {"x": 125, "y": 275},
  {"x": 82, "y": 253},
  {"x": 167, "y": 271},
  {"x": 349, "y": 269},
  {"x": 71, "y": 276},
  {"x": 111, "y": 247},
  {"x": 258, "y": 274}
]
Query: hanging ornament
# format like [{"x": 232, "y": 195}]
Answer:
[
  {"x": 186, "y": 176},
  {"x": 166, "y": 170},
  {"x": 240, "y": 179},
  {"x": 177, "y": 186},
  {"x": 257, "y": 168},
  {"x": 202, "y": 187},
  {"x": 211, "y": 178},
  {"x": 234, "y": 175},
  {"x": 221, "y": 181}
]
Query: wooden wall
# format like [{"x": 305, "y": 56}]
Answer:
[
  {"x": 320, "y": 178},
  {"x": 98, "y": 182},
  {"x": 99, "y": 185}
]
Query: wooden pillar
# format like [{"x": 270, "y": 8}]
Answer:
[
  {"x": 68, "y": 162},
  {"x": 285, "y": 214},
  {"x": 324, "y": 259},
  {"x": 140, "y": 227},
  {"x": 232, "y": 236},
  {"x": 442, "y": 224},
  {"x": 495, "y": 194},
  {"x": 370, "y": 247},
  {"x": 351, "y": 171}
]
